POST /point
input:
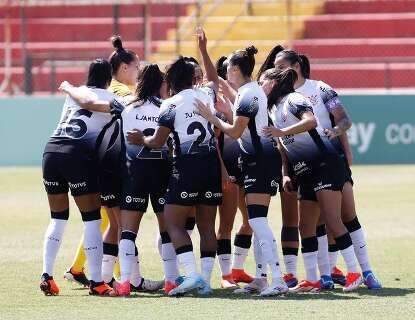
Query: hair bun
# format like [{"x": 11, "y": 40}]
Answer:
[
  {"x": 251, "y": 50},
  {"x": 117, "y": 42}
]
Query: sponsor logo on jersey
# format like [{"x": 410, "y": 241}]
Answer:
[
  {"x": 77, "y": 185},
  {"x": 184, "y": 195},
  {"x": 162, "y": 201},
  {"x": 208, "y": 194},
  {"x": 130, "y": 199},
  {"x": 217, "y": 195},
  {"x": 313, "y": 99}
]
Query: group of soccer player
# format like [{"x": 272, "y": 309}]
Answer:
[{"x": 194, "y": 141}]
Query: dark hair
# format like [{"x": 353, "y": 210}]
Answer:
[
  {"x": 191, "y": 59},
  {"x": 149, "y": 82},
  {"x": 221, "y": 66},
  {"x": 244, "y": 59},
  {"x": 99, "y": 74},
  {"x": 285, "y": 80},
  {"x": 293, "y": 57},
  {"x": 120, "y": 55},
  {"x": 180, "y": 74},
  {"x": 269, "y": 61}
]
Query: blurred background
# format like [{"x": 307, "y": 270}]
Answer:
[{"x": 365, "y": 49}]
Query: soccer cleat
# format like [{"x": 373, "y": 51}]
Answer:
[
  {"x": 205, "y": 290},
  {"x": 227, "y": 282},
  {"x": 290, "y": 280},
  {"x": 189, "y": 283},
  {"x": 111, "y": 283},
  {"x": 169, "y": 286},
  {"x": 147, "y": 285},
  {"x": 239, "y": 275},
  {"x": 101, "y": 289},
  {"x": 326, "y": 283},
  {"x": 306, "y": 286},
  {"x": 78, "y": 277},
  {"x": 48, "y": 285},
  {"x": 256, "y": 286},
  {"x": 338, "y": 276},
  {"x": 353, "y": 281},
  {"x": 370, "y": 281},
  {"x": 275, "y": 289}
]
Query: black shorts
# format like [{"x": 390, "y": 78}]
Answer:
[
  {"x": 233, "y": 167},
  {"x": 64, "y": 171},
  {"x": 196, "y": 179},
  {"x": 144, "y": 179},
  {"x": 110, "y": 188},
  {"x": 330, "y": 175},
  {"x": 262, "y": 174},
  {"x": 347, "y": 171}
]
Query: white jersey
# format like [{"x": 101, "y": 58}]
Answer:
[
  {"x": 306, "y": 149},
  {"x": 251, "y": 102},
  {"x": 191, "y": 133},
  {"x": 145, "y": 118},
  {"x": 323, "y": 99},
  {"x": 80, "y": 128}
]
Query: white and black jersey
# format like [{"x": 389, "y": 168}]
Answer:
[
  {"x": 251, "y": 102},
  {"x": 143, "y": 117},
  {"x": 323, "y": 100},
  {"x": 307, "y": 149},
  {"x": 79, "y": 129},
  {"x": 191, "y": 134}
]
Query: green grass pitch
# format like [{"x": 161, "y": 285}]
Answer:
[{"x": 386, "y": 207}]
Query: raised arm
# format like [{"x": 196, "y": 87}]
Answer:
[{"x": 210, "y": 69}]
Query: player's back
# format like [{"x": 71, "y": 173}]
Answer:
[
  {"x": 79, "y": 128},
  {"x": 190, "y": 132}
]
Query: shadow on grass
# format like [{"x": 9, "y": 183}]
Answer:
[
  {"x": 336, "y": 294},
  {"x": 387, "y": 292}
]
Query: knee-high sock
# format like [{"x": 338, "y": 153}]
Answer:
[
  {"x": 53, "y": 239},
  {"x": 207, "y": 262},
  {"x": 344, "y": 243},
  {"x": 108, "y": 261},
  {"x": 127, "y": 254},
  {"x": 93, "y": 243},
  {"x": 242, "y": 243},
  {"x": 259, "y": 224},
  {"x": 168, "y": 254},
  {"x": 186, "y": 259},
  {"x": 359, "y": 243},
  {"x": 309, "y": 247},
  {"x": 224, "y": 256},
  {"x": 323, "y": 251}
]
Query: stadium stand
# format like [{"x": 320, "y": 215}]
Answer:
[{"x": 352, "y": 44}]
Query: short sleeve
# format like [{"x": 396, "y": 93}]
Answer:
[
  {"x": 330, "y": 97},
  {"x": 167, "y": 115},
  {"x": 247, "y": 106},
  {"x": 299, "y": 105}
]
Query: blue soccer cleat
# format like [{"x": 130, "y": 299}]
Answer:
[
  {"x": 371, "y": 282},
  {"x": 326, "y": 283}
]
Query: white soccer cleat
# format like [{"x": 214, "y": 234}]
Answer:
[
  {"x": 189, "y": 283},
  {"x": 256, "y": 286},
  {"x": 277, "y": 288}
]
